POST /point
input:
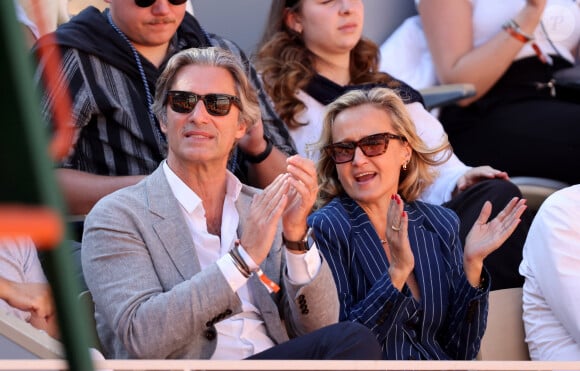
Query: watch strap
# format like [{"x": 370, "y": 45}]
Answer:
[{"x": 302, "y": 245}]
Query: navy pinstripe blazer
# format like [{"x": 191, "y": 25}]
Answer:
[{"x": 449, "y": 320}]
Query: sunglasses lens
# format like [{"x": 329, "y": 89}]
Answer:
[
  {"x": 341, "y": 152},
  {"x": 217, "y": 104},
  {"x": 144, "y": 3},
  {"x": 373, "y": 145},
  {"x": 148, "y": 3},
  {"x": 182, "y": 103}
]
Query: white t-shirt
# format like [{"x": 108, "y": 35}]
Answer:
[
  {"x": 19, "y": 263},
  {"x": 551, "y": 267},
  {"x": 406, "y": 56}
]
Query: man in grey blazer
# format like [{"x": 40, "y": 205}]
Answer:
[{"x": 191, "y": 263}]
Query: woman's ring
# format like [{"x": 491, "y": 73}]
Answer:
[{"x": 396, "y": 229}]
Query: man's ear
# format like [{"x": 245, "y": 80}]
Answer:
[
  {"x": 292, "y": 21},
  {"x": 163, "y": 127},
  {"x": 242, "y": 129}
]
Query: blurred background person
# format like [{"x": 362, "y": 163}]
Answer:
[{"x": 510, "y": 51}]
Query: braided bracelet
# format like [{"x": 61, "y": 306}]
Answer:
[
  {"x": 239, "y": 262},
  {"x": 260, "y": 156}
]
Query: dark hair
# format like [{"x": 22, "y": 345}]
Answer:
[{"x": 286, "y": 65}]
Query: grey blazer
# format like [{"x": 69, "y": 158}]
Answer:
[{"x": 152, "y": 300}]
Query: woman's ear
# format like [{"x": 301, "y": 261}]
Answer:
[
  {"x": 292, "y": 21},
  {"x": 407, "y": 152}
]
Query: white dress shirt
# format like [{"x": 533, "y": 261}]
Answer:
[
  {"x": 551, "y": 266},
  {"x": 244, "y": 334}
]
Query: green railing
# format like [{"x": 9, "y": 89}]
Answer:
[{"x": 28, "y": 186}]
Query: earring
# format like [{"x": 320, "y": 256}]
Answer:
[{"x": 405, "y": 166}]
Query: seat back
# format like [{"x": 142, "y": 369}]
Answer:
[
  {"x": 504, "y": 337},
  {"x": 19, "y": 339},
  {"x": 535, "y": 190}
]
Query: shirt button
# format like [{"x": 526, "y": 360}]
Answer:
[{"x": 210, "y": 334}]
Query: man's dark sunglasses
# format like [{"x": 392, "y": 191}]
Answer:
[
  {"x": 373, "y": 145},
  {"x": 215, "y": 104},
  {"x": 148, "y": 3}
]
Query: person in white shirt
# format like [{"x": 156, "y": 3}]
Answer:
[
  {"x": 551, "y": 267},
  {"x": 24, "y": 291},
  {"x": 191, "y": 263},
  {"x": 512, "y": 52}
]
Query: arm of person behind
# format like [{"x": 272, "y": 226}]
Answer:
[
  {"x": 432, "y": 133},
  {"x": 454, "y": 55},
  {"x": 82, "y": 190},
  {"x": 270, "y": 160}
]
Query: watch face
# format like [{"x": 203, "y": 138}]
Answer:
[{"x": 308, "y": 239}]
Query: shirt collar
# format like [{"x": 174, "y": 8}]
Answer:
[{"x": 187, "y": 197}]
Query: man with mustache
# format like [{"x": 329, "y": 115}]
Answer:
[{"x": 110, "y": 63}]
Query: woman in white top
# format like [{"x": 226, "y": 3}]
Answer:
[
  {"x": 314, "y": 51},
  {"x": 509, "y": 50}
]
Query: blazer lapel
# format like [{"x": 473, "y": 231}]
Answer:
[
  {"x": 369, "y": 254},
  {"x": 417, "y": 232},
  {"x": 170, "y": 225}
]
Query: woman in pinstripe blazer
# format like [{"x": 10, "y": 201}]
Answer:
[{"x": 398, "y": 262}]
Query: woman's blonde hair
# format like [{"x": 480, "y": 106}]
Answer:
[
  {"x": 419, "y": 173},
  {"x": 286, "y": 64}
]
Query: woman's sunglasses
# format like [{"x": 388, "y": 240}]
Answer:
[
  {"x": 373, "y": 145},
  {"x": 215, "y": 104},
  {"x": 148, "y": 3}
]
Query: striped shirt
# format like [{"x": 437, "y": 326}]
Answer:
[{"x": 115, "y": 132}]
